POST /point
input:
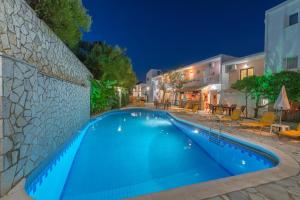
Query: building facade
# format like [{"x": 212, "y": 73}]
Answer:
[
  {"x": 140, "y": 91},
  {"x": 238, "y": 69},
  {"x": 150, "y": 74},
  {"x": 198, "y": 82},
  {"x": 282, "y": 37}
]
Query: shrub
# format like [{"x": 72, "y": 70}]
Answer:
[
  {"x": 103, "y": 95},
  {"x": 67, "y": 18}
]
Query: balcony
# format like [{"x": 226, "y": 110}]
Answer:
[
  {"x": 211, "y": 79},
  {"x": 196, "y": 84},
  {"x": 193, "y": 83}
]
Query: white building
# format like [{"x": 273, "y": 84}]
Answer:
[
  {"x": 140, "y": 91},
  {"x": 238, "y": 69},
  {"x": 150, "y": 74},
  {"x": 282, "y": 37},
  {"x": 200, "y": 83}
]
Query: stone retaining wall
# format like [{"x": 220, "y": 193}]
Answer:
[
  {"x": 44, "y": 92},
  {"x": 24, "y": 36}
]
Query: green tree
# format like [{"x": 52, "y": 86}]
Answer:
[
  {"x": 176, "y": 81},
  {"x": 108, "y": 63},
  {"x": 255, "y": 87},
  {"x": 291, "y": 81},
  {"x": 67, "y": 18},
  {"x": 118, "y": 67},
  {"x": 269, "y": 86}
]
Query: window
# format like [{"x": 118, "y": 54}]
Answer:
[
  {"x": 246, "y": 73},
  {"x": 291, "y": 62},
  {"x": 293, "y": 19}
]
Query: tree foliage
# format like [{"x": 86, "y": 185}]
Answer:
[
  {"x": 176, "y": 79},
  {"x": 255, "y": 87},
  {"x": 67, "y": 18},
  {"x": 111, "y": 69},
  {"x": 291, "y": 81},
  {"x": 108, "y": 63},
  {"x": 269, "y": 86},
  {"x": 103, "y": 95}
]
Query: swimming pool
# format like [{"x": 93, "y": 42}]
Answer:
[{"x": 132, "y": 152}]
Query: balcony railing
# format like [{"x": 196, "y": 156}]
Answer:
[
  {"x": 193, "y": 83},
  {"x": 211, "y": 79}
]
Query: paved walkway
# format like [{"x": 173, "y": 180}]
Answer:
[{"x": 285, "y": 189}]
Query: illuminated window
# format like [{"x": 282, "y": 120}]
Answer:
[
  {"x": 293, "y": 19},
  {"x": 291, "y": 62},
  {"x": 191, "y": 75},
  {"x": 246, "y": 73}
]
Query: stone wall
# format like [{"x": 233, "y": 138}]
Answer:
[
  {"x": 38, "y": 114},
  {"x": 26, "y": 37},
  {"x": 44, "y": 92}
]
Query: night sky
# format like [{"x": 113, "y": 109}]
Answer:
[{"x": 168, "y": 33}]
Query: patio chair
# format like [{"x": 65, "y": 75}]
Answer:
[
  {"x": 233, "y": 106},
  {"x": 235, "y": 116},
  {"x": 188, "y": 106},
  {"x": 142, "y": 103},
  {"x": 219, "y": 111},
  {"x": 291, "y": 133},
  {"x": 195, "y": 108},
  {"x": 243, "y": 109},
  {"x": 217, "y": 114},
  {"x": 231, "y": 109},
  {"x": 266, "y": 120}
]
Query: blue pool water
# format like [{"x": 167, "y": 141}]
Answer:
[{"x": 133, "y": 152}]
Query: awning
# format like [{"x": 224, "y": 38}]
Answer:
[
  {"x": 211, "y": 87},
  {"x": 230, "y": 90},
  {"x": 189, "y": 89}
]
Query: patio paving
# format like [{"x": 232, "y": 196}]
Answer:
[{"x": 285, "y": 189}]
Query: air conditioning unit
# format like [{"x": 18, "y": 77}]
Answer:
[{"x": 229, "y": 68}]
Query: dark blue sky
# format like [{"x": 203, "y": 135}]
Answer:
[{"x": 168, "y": 33}]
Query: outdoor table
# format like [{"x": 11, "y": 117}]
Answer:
[
  {"x": 228, "y": 109},
  {"x": 279, "y": 127}
]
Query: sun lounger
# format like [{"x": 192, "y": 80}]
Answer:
[
  {"x": 266, "y": 120},
  {"x": 291, "y": 133}
]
